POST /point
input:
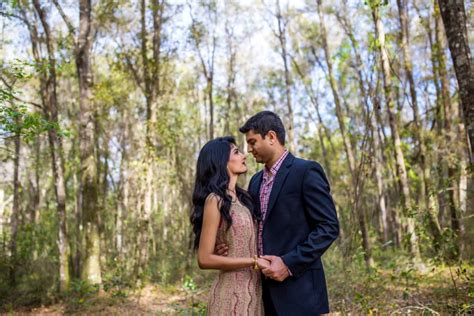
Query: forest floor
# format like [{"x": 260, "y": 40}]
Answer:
[{"x": 438, "y": 290}]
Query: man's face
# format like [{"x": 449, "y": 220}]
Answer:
[{"x": 259, "y": 146}]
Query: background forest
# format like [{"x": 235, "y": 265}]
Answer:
[{"x": 105, "y": 105}]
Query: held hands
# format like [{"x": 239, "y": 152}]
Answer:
[
  {"x": 271, "y": 266},
  {"x": 277, "y": 269},
  {"x": 263, "y": 263}
]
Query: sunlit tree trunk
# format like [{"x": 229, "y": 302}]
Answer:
[
  {"x": 50, "y": 103},
  {"x": 455, "y": 24},
  {"x": 282, "y": 39},
  {"x": 427, "y": 192},
  {"x": 454, "y": 18},
  {"x": 14, "y": 218},
  {"x": 345, "y": 137},
  {"x": 370, "y": 121},
  {"x": 399, "y": 156},
  {"x": 91, "y": 269},
  {"x": 207, "y": 59}
]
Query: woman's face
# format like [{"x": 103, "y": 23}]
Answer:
[{"x": 236, "y": 164}]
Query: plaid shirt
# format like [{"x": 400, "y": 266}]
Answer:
[{"x": 265, "y": 190}]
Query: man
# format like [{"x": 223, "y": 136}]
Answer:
[{"x": 299, "y": 220}]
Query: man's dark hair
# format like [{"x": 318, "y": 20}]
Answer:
[{"x": 263, "y": 122}]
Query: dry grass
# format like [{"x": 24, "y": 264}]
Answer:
[{"x": 438, "y": 290}]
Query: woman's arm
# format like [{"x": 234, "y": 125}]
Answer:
[{"x": 206, "y": 257}]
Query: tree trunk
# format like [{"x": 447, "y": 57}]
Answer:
[
  {"x": 50, "y": 103},
  {"x": 426, "y": 194},
  {"x": 455, "y": 25},
  {"x": 347, "y": 143},
  {"x": 399, "y": 157},
  {"x": 14, "y": 218},
  {"x": 284, "y": 55},
  {"x": 89, "y": 182}
]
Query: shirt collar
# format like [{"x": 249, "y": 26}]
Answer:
[{"x": 268, "y": 173}]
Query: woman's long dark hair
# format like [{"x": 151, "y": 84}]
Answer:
[{"x": 212, "y": 177}]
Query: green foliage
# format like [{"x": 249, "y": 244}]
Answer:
[
  {"x": 117, "y": 282},
  {"x": 191, "y": 288},
  {"x": 15, "y": 116},
  {"x": 81, "y": 290}
]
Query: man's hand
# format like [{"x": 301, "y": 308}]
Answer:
[
  {"x": 263, "y": 263},
  {"x": 277, "y": 269},
  {"x": 221, "y": 250}
]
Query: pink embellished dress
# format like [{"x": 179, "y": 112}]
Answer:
[{"x": 237, "y": 292}]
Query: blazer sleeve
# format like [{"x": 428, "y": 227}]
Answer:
[{"x": 322, "y": 219}]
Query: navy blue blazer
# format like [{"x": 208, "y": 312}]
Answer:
[{"x": 300, "y": 225}]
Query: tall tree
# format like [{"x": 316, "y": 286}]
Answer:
[
  {"x": 15, "y": 215},
  {"x": 367, "y": 95},
  {"x": 282, "y": 35},
  {"x": 427, "y": 190},
  {"x": 50, "y": 106},
  {"x": 390, "y": 108},
  {"x": 82, "y": 39},
  {"x": 350, "y": 153},
  {"x": 204, "y": 38},
  {"x": 455, "y": 25}
]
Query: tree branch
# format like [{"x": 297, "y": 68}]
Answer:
[
  {"x": 71, "y": 28},
  {"x": 17, "y": 98}
]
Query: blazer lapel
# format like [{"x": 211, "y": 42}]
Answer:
[
  {"x": 254, "y": 189},
  {"x": 279, "y": 181}
]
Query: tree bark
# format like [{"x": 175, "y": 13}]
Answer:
[
  {"x": 347, "y": 143},
  {"x": 207, "y": 66},
  {"x": 371, "y": 123},
  {"x": 287, "y": 75},
  {"x": 14, "y": 218},
  {"x": 50, "y": 102},
  {"x": 426, "y": 191},
  {"x": 455, "y": 25},
  {"x": 399, "y": 156},
  {"x": 89, "y": 177}
]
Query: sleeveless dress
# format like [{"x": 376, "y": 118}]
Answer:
[{"x": 237, "y": 292}]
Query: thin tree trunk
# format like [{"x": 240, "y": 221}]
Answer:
[
  {"x": 445, "y": 101},
  {"x": 426, "y": 194},
  {"x": 322, "y": 129},
  {"x": 433, "y": 198},
  {"x": 2, "y": 218},
  {"x": 50, "y": 103},
  {"x": 287, "y": 76},
  {"x": 448, "y": 170},
  {"x": 14, "y": 218},
  {"x": 400, "y": 159},
  {"x": 231, "y": 75},
  {"x": 463, "y": 189},
  {"x": 347, "y": 143}
]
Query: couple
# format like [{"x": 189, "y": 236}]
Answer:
[{"x": 267, "y": 242}]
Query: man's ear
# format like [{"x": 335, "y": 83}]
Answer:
[{"x": 272, "y": 136}]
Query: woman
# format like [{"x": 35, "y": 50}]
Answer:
[{"x": 224, "y": 213}]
